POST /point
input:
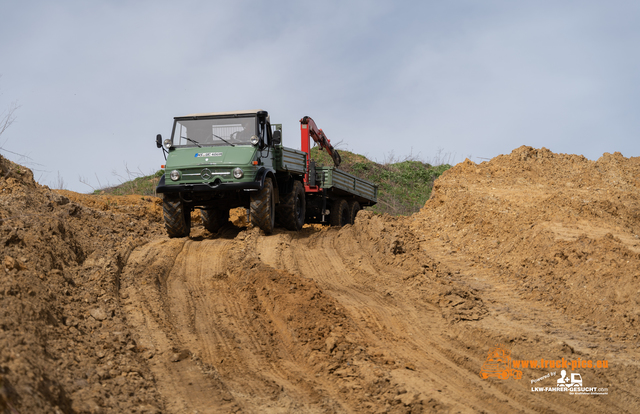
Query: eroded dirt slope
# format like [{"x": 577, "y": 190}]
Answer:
[
  {"x": 535, "y": 251},
  {"x": 64, "y": 344}
]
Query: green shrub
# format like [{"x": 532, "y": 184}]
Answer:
[
  {"x": 145, "y": 185},
  {"x": 403, "y": 186}
]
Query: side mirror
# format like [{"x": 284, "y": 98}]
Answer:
[
  {"x": 277, "y": 137},
  {"x": 159, "y": 141}
]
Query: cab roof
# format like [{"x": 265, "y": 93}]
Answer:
[{"x": 228, "y": 113}]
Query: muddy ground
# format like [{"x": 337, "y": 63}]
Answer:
[{"x": 533, "y": 252}]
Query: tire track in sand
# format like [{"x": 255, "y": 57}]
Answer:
[
  {"x": 186, "y": 385},
  {"x": 388, "y": 314},
  {"x": 198, "y": 319}
]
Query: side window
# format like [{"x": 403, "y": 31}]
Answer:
[{"x": 268, "y": 134}]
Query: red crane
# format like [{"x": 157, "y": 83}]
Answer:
[{"x": 308, "y": 128}]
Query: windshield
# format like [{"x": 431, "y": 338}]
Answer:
[{"x": 213, "y": 132}]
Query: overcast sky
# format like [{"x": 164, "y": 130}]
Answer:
[{"x": 97, "y": 80}]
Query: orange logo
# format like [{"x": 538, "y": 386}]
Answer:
[{"x": 498, "y": 364}]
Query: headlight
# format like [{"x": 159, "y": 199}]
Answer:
[
  {"x": 255, "y": 140},
  {"x": 167, "y": 143},
  {"x": 175, "y": 175},
  {"x": 238, "y": 173}
]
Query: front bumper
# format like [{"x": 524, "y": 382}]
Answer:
[{"x": 215, "y": 186}]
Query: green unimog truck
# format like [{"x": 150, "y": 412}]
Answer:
[{"x": 223, "y": 160}]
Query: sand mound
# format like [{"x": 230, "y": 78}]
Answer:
[
  {"x": 564, "y": 227},
  {"x": 63, "y": 341}
]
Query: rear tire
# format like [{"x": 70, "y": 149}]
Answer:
[
  {"x": 354, "y": 207},
  {"x": 262, "y": 207},
  {"x": 291, "y": 213},
  {"x": 213, "y": 219},
  {"x": 339, "y": 213},
  {"x": 177, "y": 217}
]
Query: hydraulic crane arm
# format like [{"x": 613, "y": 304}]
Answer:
[{"x": 320, "y": 138}]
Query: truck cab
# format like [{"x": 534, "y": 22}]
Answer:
[
  {"x": 215, "y": 162},
  {"x": 221, "y": 151}
]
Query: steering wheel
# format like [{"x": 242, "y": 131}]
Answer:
[{"x": 234, "y": 136}]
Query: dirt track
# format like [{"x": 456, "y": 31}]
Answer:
[{"x": 534, "y": 251}]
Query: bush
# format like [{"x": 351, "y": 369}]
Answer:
[
  {"x": 145, "y": 185},
  {"x": 403, "y": 186}
]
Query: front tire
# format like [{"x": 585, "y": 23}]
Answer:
[
  {"x": 263, "y": 206},
  {"x": 214, "y": 219},
  {"x": 340, "y": 213},
  {"x": 177, "y": 217},
  {"x": 291, "y": 213}
]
